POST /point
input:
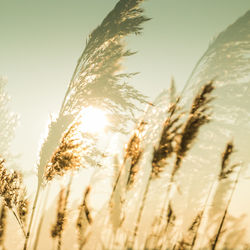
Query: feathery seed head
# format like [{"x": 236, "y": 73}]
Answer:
[
  {"x": 134, "y": 152},
  {"x": 166, "y": 148},
  {"x": 67, "y": 156},
  {"x": 57, "y": 228},
  {"x": 13, "y": 192},
  {"x": 84, "y": 211},
  {"x": 197, "y": 117},
  {"x": 226, "y": 170}
]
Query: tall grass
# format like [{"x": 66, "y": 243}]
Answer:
[{"x": 135, "y": 198}]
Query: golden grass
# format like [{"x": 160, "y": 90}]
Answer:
[{"x": 143, "y": 206}]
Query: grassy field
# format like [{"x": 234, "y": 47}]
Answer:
[{"x": 119, "y": 172}]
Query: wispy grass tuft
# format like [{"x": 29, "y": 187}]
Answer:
[
  {"x": 67, "y": 156},
  {"x": 196, "y": 118},
  {"x": 84, "y": 219},
  {"x": 133, "y": 151},
  {"x": 14, "y": 194},
  {"x": 156, "y": 151}
]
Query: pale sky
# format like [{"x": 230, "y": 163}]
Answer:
[{"x": 42, "y": 40}]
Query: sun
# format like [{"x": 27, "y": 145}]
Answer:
[{"x": 93, "y": 120}]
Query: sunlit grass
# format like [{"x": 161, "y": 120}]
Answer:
[{"x": 148, "y": 193}]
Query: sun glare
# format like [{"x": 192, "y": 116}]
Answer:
[{"x": 93, "y": 120}]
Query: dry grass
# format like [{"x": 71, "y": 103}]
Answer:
[
  {"x": 135, "y": 204},
  {"x": 13, "y": 194},
  {"x": 175, "y": 140}
]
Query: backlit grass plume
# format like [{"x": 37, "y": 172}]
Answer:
[
  {"x": 225, "y": 171},
  {"x": 166, "y": 146},
  {"x": 8, "y": 122},
  {"x": 84, "y": 219},
  {"x": 226, "y": 57},
  {"x": 13, "y": 194},
  {"x": 76, "y": 150},
  {"x": 196, "y": 118},
  {"x": 221, "y": 199},
  {"x": 58, "y": 227},
  {"x": 226, "y": 168},
  {"x": 132, "y": 204},
  {"x": 133, "y": 151},
  {"x": 178, "y": 136},
  {"x": 68, "y": 154},
  {"x": 160, "y": 154},
  {"x": 224, "y": 181},
  {"x": 215, "y": 240},
  {"x": 96, "y": 80}
]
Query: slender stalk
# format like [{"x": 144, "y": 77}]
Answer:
[
  {"x": 59, "y": 244},
  {"x": 141, "y": 210},
  {"x": 225, "y": 212},
  {"x": 19, "y": 222},
  {"x": 41, "y": 220},
  {"x": 163, "y": 210},
  {"x": 170, "y": 218},
  {"x": 38, "y": 232},
  {"x": 116, "y": 182},
  {"x": 133, "y": 152},
  {"x": 84, "y": 241},
  {"x": 31, "y": 218},
  {"x": 202, "y": 213}
]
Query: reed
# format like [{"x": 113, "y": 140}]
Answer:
[
  {"x": 100, "y": 85},
  {"x": 68, "y": 156},
  {"x": 98, "y": 81},
  {"x": 160, "y": 154},
  {"x": 84, "y": 219},
  {"x": 3, "y": 220},
  {"x": 14, "y": 195},
  {"x": 58, "y": 228},
  {"x": 133, "y": 152},
  {"x": 197, "y": 117},
  {"x": 226, "y": 170}
]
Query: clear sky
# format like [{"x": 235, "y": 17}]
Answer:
[{"x": 42, "y": 40}]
